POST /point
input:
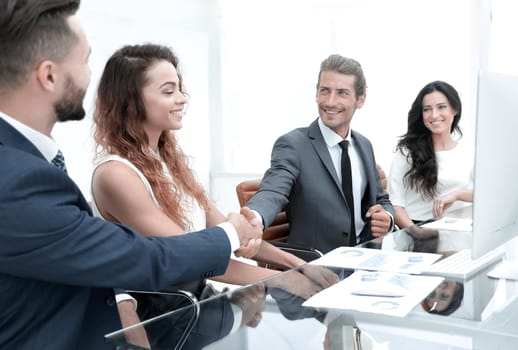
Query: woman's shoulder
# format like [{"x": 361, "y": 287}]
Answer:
[
  {"x": 113, "y": 170},
  {"x": 109, "y": 158},
  {"x": 401, "y": 153},
  {"x": 116, "y": 167},
  {"x": 400, "y": 162}
]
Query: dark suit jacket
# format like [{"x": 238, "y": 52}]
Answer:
[
  {"x": 303, "y": 181},
  {"x": 58, "y": 264}
]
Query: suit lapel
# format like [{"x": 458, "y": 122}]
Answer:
[
  {"x": 320, "y": 146},
  {"x": 361, "y": 150},
  {"x": 366, "y": 163},
  {"x": 11, "y": 137}
]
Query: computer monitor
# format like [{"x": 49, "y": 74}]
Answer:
[{"x": 495, "y": 191}]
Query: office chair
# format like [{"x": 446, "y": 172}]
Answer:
[
  {"x": 279, "y": 229},
  {"x": 383, "y": 177},
  {"x": 163, "y": 303}
]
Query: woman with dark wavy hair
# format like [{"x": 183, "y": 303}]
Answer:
[
  {"x": 142, "y": 177},
  {"x": 445, "y": 298},
  {"x": 432, "y": 171}
]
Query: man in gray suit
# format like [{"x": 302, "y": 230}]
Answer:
[{"x": 305, "y": 177}]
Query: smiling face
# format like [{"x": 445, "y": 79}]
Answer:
[
  {"x": 337, "y": 101},
  {"x": 162, "y": 98},
  {"x": 437, "y": 113}
]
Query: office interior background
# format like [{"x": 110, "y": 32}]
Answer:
[{"x": 250, "y": 68}]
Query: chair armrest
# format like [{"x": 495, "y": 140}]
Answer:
[{"x": 306, "y": 254}]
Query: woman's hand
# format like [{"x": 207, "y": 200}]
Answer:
[{"x": 441, "y": 204}]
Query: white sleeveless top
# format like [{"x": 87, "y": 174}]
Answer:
[{"x": 195, "y": 213}]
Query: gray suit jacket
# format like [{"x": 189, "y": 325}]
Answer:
[{"x": 303, "y": 181}]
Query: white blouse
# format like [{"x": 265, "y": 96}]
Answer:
[{"x": 455, "y": 172}]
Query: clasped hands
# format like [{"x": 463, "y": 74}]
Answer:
[
  {"x": 249, "y": 230},
  {"x": 304, "y": 281},
  {"x": 251, "y": 301}
]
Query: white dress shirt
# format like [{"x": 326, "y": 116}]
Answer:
[
  {"x": 46, "y": 145},
  {"x": 332, "y": 140}
]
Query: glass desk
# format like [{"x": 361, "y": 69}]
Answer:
[{"x": 270, "y": 314}]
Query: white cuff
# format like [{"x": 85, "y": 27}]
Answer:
[
  {"x": 392, "y": 221},
  {"x": 258, "y": 216},
  {"x": 238, "y": 317},
  {"x": 124, "y": 296},
  {"x": 231, "y": 234}
]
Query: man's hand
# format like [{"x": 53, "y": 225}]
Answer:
[
  {"x": 320, "y": 275},
  {"x": 249, "y": 230},
  {"x": 296, "y": 283},
  {"x": 380, "y": 220},
  {"x": 251, "y": 301}
]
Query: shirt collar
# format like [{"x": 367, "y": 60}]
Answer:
[
  {"x": 331, "y": 138},
  {"x": 46, "y": 145}
]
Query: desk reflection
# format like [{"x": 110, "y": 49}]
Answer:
[{"x": 270, "y": 314}]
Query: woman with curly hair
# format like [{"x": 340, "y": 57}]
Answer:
[
  {"x": 432, "y": 171},
  {"x": 142, "y": 177}
]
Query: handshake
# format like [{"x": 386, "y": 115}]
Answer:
[{"x": 249, "y": 230}]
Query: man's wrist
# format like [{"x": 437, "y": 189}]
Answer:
[
  {"x": 238, "y": 317},
  {"x": 258, "y": 216},
  {"x": 232, "y": 235},
  {"x": 126, "y": 297}
]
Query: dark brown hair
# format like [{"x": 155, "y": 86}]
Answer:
[
  {"x": 31, "y": 31},
  {"x": 417, "y": 143},
  {"x": 118, "y": 118},
  {"x": 346, "y": 66}
]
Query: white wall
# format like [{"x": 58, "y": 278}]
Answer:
[
  {"x": 250, "y": 68},
  {"x": 270, "y": 57},
  {"x": 182, "y": 25}
]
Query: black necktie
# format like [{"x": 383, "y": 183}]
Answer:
[
  {"x": 347, "y": 188},
  {"x": 59, "y": 161}
]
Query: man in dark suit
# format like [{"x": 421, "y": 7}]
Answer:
[
  {"x": 307, "y": 169},
  {"x": 58, "y": 264}
]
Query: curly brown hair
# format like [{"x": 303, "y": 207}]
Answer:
[{"x": 118, "y": 117}]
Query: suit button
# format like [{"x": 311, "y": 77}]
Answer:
[
  {"x": 110, "y": 301},
  {"x": 207, "y": 274}
]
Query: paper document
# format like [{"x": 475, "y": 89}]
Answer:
[
  {"x": 451, "y": 224},
  {"x": 375, "y": 259},
  {"x": 377, "y": 292}
]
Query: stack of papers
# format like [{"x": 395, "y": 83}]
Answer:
[
  {"x": 378, "y": 260},
  {"x": 377, "y": 292},
  {"x": 451, "y": 224}
]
